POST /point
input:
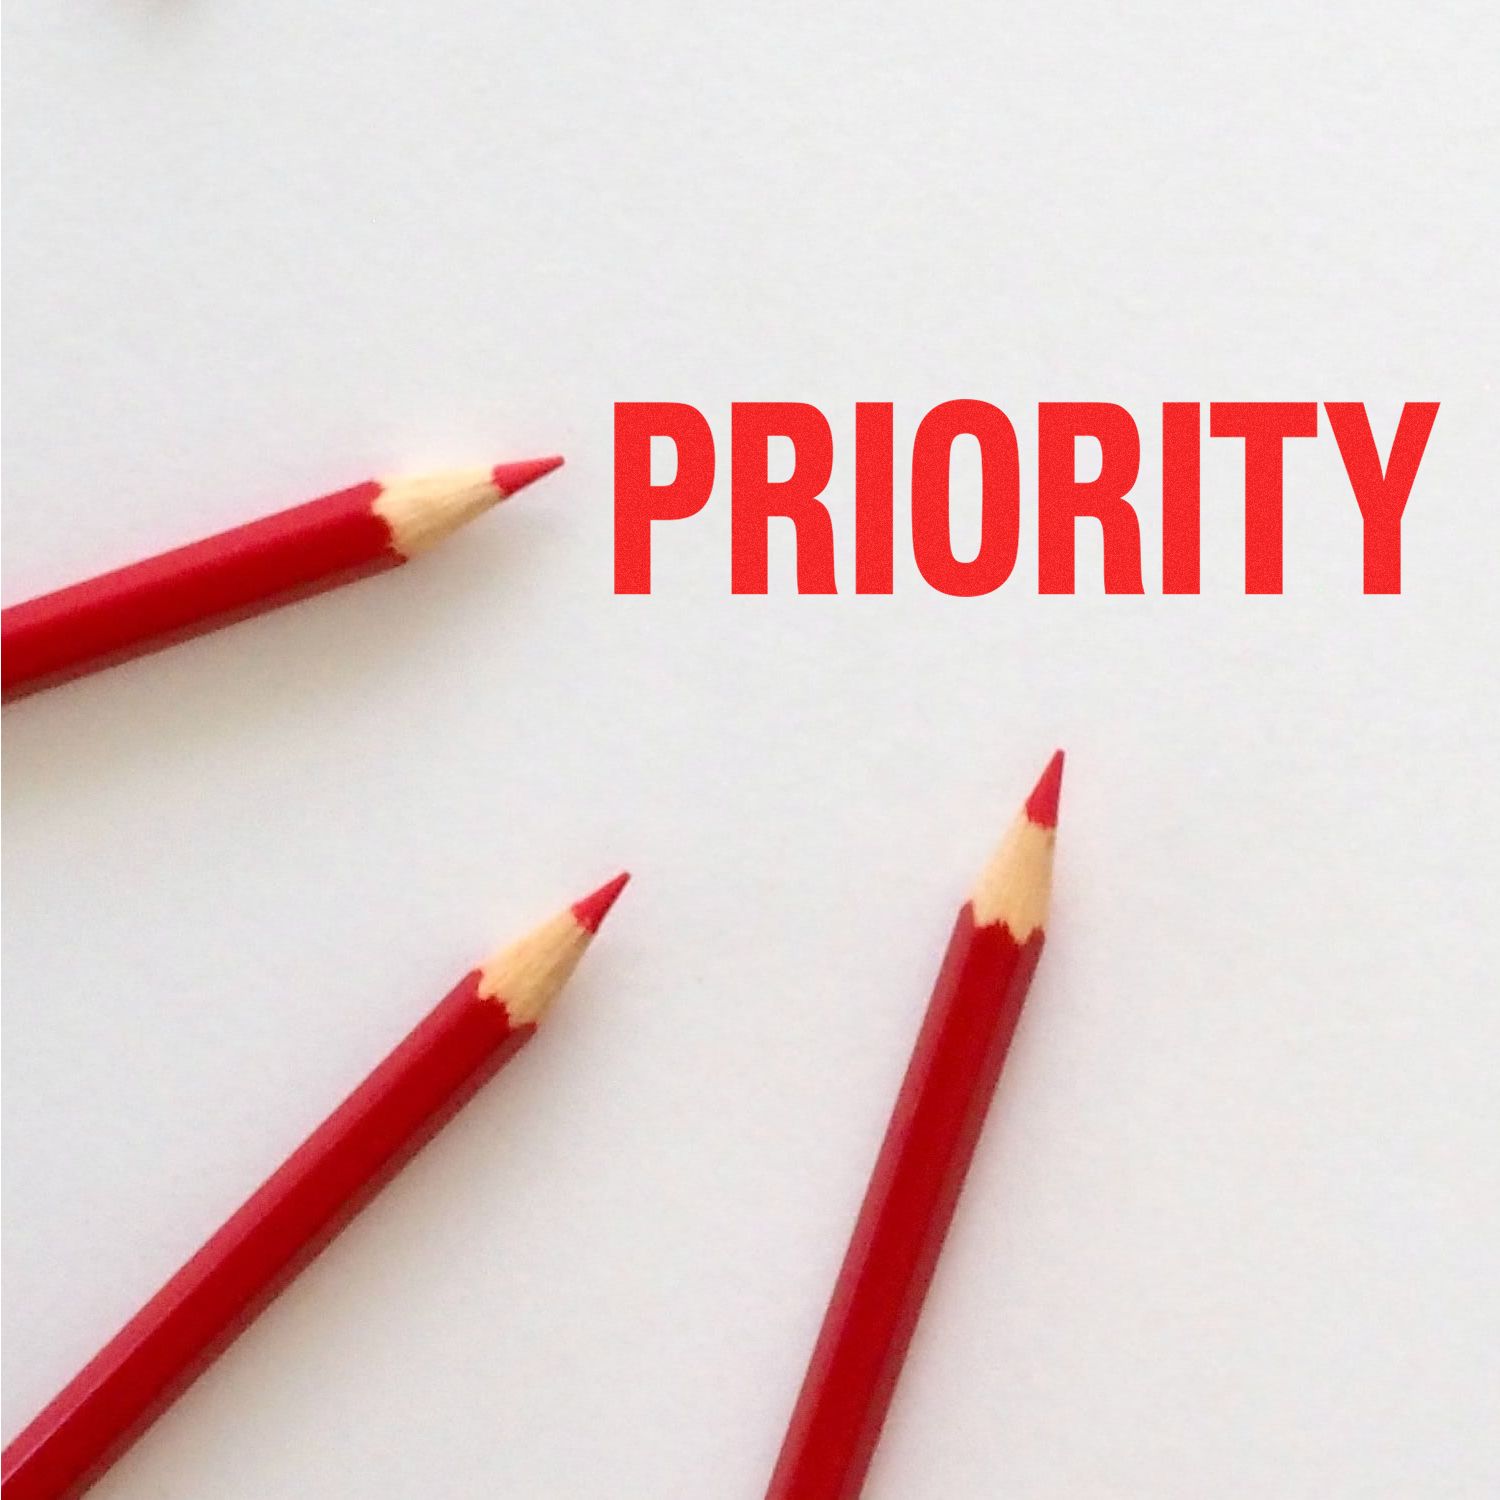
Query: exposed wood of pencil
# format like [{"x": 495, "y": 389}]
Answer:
[
  {"x": 917, "y": 1177},
  {"x": 242, "y": 572},
  {"x": 461, "y": 1043}
]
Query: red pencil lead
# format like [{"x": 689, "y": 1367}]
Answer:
[
  {"x": 592, "y": 910},
  {"x": 1041, "y": 805},
  {"x": 516, "y": 476}
]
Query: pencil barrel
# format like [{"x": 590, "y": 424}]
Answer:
[
  {"x": 194, "y": 589},
  {"x": 287, "y": 1222},
  {"x": 907, "y": 1209}
]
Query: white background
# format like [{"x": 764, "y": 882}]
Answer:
[{"x": 1232, "y": 1228}]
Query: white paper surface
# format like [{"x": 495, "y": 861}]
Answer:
[{"x": 1232, "y": 1227}]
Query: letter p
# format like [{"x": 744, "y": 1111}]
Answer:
[{"x": 638, "y": 502}]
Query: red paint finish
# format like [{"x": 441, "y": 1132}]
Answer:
[
  {"x": 288, "y": 1221},
  {"x": 194, "y": 589},
  {"x": 907, "y": 1209}
]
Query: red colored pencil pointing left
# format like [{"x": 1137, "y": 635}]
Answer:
[
  {"x": 243, "y": 572},
  {"x": 491, "y": 1013}
]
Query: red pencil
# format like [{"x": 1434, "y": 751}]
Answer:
[
  {"x": 461, "y": 1043},
  {"x": 239, "y": 573},
  {"x": 928, "y": 1144}
]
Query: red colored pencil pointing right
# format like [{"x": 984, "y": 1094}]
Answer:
[
  {"x": 193, "y": 589},
  {"x": 296, "y": 1212},
  {"x": 928, "y": 1145}
]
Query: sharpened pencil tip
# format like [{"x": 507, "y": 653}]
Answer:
[
  {"x": 516, "y": 476},
  {"x": 592, "y": 910},
  {"x": 1041, "y": 805}
]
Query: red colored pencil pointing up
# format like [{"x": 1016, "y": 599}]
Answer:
[
  {"x": 928, "y": 1144},
  {"x": 342, "y": 1165},
  {"x": 243, "y": 572}
]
